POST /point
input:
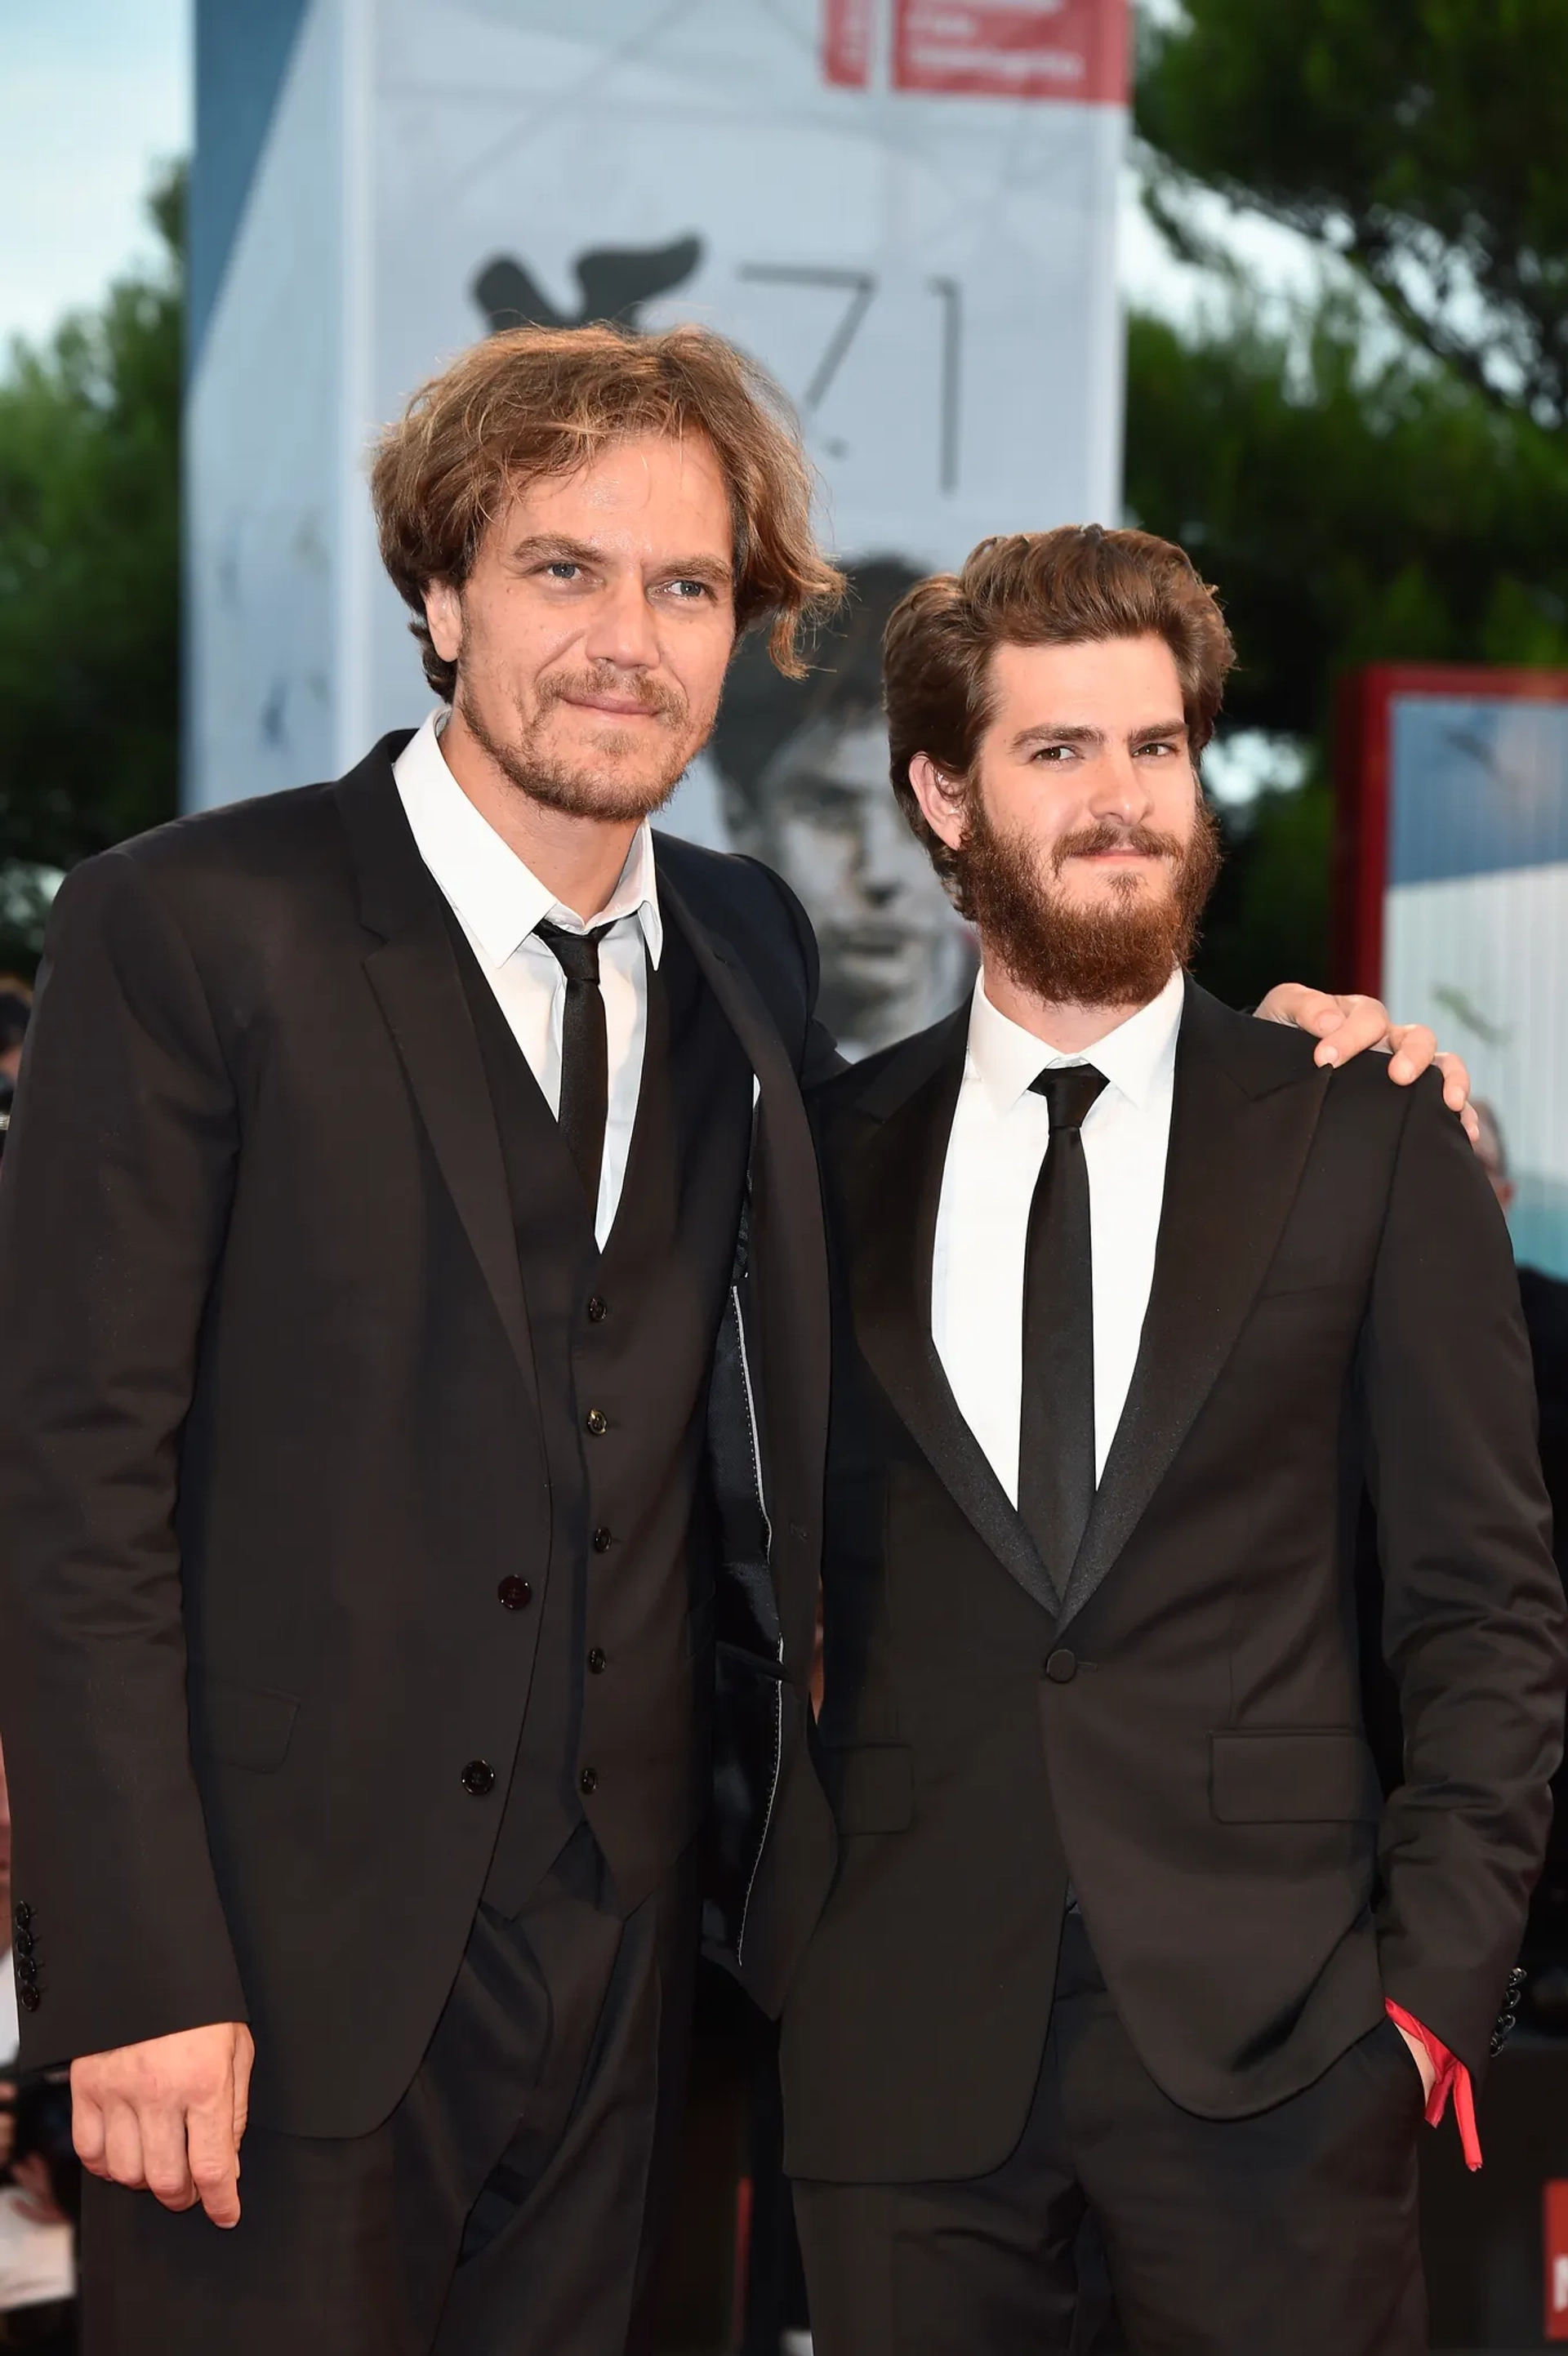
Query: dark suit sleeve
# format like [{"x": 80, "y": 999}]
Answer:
[
  {"x": 1473, "y": 1620},
  {"x": 113, "y": 1205},
  {"x": 819, "y": 1057}
]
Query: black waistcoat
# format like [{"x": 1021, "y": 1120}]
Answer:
[{"x": 616, "y": 1724}]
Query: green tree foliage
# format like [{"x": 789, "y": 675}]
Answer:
[
  {"x": 1423, "y": 140},
  {"x": 1370, "y": 484},
  {"x": 90, "y": 576}
]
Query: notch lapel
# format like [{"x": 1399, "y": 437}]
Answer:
[
  {"x": 789, "y": 1260},
  {"x": 893, "y": 1184},
  {"x": 415, "y": 976},
  {"x": 1242, "y": 1119}
]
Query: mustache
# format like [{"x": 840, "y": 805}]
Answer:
[
  {"x": 655, "y": 697},
  {"x": 1106, "y": 835}
]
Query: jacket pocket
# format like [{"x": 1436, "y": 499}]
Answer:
[
  {"x": 1303, "y": 1777},
  {"x": 250, "y": 1726},
  {"x": 872, "y": 1787}
]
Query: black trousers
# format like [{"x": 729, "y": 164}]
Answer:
[
  {"x": 1293, "y": 2232},
  {"x": 511, "y": 2206}
]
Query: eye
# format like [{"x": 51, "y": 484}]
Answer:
[
  {"x": 1051, "y": 755},
  {"x": 689, "y": 592},
  {"x": 560, "y": 568}
]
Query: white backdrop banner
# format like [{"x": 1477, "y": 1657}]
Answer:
[{"x": 905, "y": 209}]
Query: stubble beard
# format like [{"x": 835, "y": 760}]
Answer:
[
  {"x": 1120, "y": 952},
  {"x": 579, "y": 789}
]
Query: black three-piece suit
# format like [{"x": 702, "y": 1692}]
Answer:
[
  {"x": 386, "y": 1575},
  {"x": 1168, "y": 1731}
]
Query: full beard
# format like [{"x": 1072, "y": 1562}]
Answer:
[
  {"x": 578, "y": 789},
  {"x": 1119, "y": 953}
]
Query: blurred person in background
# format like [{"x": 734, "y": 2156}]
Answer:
[
  {"x": 410, "y": 1260},
  {"x": 16, "y": 1006},
  {"x": 37, "y": 2257},
  {"x": 803, "y": 765},
  {"x": 1544, "y": 1299}
]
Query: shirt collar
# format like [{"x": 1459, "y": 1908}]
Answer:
[
  {"x": 498, "y": 897},
  {"x": 1135, "y": 1058}
]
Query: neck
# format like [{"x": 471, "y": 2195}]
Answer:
[
  {"x": 1060, "y": 1023},
  {"x": 578, "y": 858}
]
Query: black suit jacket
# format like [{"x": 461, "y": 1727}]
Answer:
[
  {"x": 1179, "y": 1728},
  {"x": 269, "y": 1439}
]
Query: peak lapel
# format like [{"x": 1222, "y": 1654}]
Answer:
[
  {"x": 893, "y": 1185},
  {"x": 1243, "y": 1119},
  {"x": 415, "y": 976}
]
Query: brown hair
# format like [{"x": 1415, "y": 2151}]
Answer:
[
  {"x": 1031, "y": 589},
  {"x": 539, "y": 402}
]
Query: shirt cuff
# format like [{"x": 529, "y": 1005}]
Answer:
[{"x": 1450, "y": 2077}]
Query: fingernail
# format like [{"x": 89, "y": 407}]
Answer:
[{"x": 1327, "y": 1053}]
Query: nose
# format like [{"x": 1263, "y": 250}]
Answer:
[
  {"x": 620, "y": 630},
  {"x": 884, "y": 843},
  {"x": 1121, "y": 788}
]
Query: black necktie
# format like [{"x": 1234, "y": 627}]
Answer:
[
  {"x": 585, "y": 1051},
  {"x": 1055, "y": 1430}
]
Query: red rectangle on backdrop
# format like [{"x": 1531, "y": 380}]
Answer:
[
  {"x": 1074, "y": 50},
  {"x": 1556, "y": 2254},
  {"x": 846, "y": 42}
]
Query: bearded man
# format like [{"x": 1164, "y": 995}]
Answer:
[
  {"x": 412, "y": 1264},
  {"x": 1125, "y": 1938}
]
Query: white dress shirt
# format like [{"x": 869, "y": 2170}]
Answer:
[
  {"x": 499, "y": 901},
  {"x": 1000, "y": 1135}
]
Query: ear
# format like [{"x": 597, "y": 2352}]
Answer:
[
  {"x": 942, "y": 799},
  {"x": 443, "y": 618}
]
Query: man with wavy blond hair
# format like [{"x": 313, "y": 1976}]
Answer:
[{"x": 413, "y": 1422}]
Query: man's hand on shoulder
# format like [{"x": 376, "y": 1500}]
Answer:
[
  {"x": 168, "y": 2116},
  {"x": 1345, "y": 1025}
]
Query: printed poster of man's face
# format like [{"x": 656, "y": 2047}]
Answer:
[{"x": 802, "y": 764}]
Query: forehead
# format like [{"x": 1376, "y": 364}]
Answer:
[
  {"x": 1114, "y": 684},
  {"x": 644, "y": 490},
  {"x": 847, "y": 752}
]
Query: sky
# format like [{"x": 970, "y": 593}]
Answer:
[{"x": 94, "y": 94}]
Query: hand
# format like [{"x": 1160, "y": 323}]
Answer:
[
  {"x": 1422, "y": 2060},
  {"x": 168, "y": 2116},
  {"x": 1342, "y": 1026},
  {"x": 36, "y": 2204}
]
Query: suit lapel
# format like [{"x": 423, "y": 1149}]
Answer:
[
  {"x": 789, "y": 1262},
  {"x": 415, "y": 976},
  {"x": 893, "y": 1183},
  {"x": 1242, "y": 1119}
]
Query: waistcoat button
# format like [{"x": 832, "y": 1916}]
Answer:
[
  {"x": 23, "y": 1943},
  {"x": 601, "y": 1540},
  {"x": 1062, "y": 1666},
  {"x": 478, "y": 1777},
  {"x": 27, "y": 1968},
  {"x": 597, "y": 1421},
  {"x": 596, "y": 1310},
  {"x": 596, "y": 1661},
  {"x": 587, "y": 1781},
  {"x": 29, "y": 1998},
  {"x": 515, "y": 1593},
  {"x": 23, "y": 1915}
]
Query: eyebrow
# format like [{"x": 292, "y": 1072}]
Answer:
[
  {"x": 1069, "y": 733},
  {"x": 552, "y": 548}
]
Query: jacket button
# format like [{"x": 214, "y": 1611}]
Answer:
[
  {"x": 597, "y": 1421},
  {"x": 23, "y": 1915},
  {"x": 23, "y": 1943},
  {"x": 478, "y": 1777},
  {"x": 515, "y": 1593},
  {"x": 588, "y": 1782},
  {"x": 28, "y": 1998},
  {"x": 597, "y": 1311},
  {"x": 1062, "y": 1666},
  {"x": 596, "y": 1661},
  {"x": 601, "y": 1540},
  {"x": 26, "y": 1969}
]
